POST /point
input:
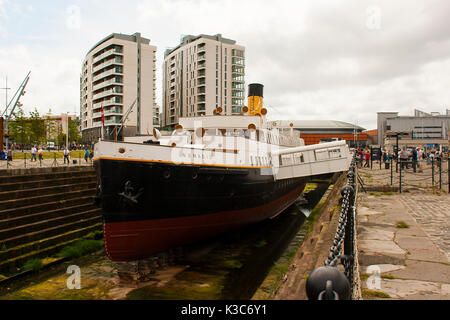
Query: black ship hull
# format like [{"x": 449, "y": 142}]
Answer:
[{"x": 151, "y": 206}]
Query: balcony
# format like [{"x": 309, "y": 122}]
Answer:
[
  {"x": 96, "y": 115},
  {"x": 201, "y": 65},
  {"x": 201, "y": 73},
  {"x": 201, "y": 57},
  {"x": 108, "y": 102},
  {"x": 116, "y": 60},
  {"x": 106, "y": 83},
  {"x": 102, "y": 75},
  {"x": 107, "y": 93},
  {"x": 114, "y": 110},
  {"x": 237, "y": 69},
  {"x": 238, "y": 61},
  {"x": 107, "y": 54}
]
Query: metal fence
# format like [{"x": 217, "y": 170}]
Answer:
[
  {"x": 331, "y": 282},
  {"x": 49, "y": 159},
  {"x": 402, "y": 175}
]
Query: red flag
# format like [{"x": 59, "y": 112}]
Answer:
[{"x": 103, "y": 117}]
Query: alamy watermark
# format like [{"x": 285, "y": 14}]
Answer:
[
  {"x": 374, "y": 281},
  {"x": 74, "y": 280},
  {"x": 373, "y": 17},
  {"x": 73, "y": 20}
]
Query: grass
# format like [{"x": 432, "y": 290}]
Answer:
[
  {"x": 234, "y": 264},
  {"x": 387, "y": 276},
  {"x": 374, "y": 294},
  {"x": 401, "y": 225},
  {"x": 388, "y": 193},
  {"x": 364, "y": 276},
  {"x": 33, "y": 265},
  {"x": 49, "y": 155},
  {"x": 81, "y": 248}
]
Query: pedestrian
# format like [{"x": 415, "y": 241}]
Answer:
[
  {"x": 66, "y": 155},
  {"x": 403, "y": 156},
  {"x": 91, "y": 155},
  {"x": 420, "y": 154},
  {"x": 86, "y": 155},
  {"x": 40, "y": 154},
  {"x": 9, "y": 155},
  {"x": 414, "y": 158},
  {"x": 367, "y": 156},
  {"x": 33, "y": 153}
]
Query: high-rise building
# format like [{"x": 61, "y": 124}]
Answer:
[
  {"x": 118, "y": 73},
  {"x": 200, "y": 74}
]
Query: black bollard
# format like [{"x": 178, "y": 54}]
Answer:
[{"x": 325, "y": 282}]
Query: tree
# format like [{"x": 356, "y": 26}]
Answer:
[
  {"x": 37, "y": 127},
  {"x": 74, "y": 131},
  {"x": 19, "y": 127}
]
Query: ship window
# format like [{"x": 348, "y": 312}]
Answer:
[
  {"x": 334, "y": 153},
  {"x": 321, "y": 154}
]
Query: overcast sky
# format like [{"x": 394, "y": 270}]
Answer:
[{"x": 336, "y": 60}]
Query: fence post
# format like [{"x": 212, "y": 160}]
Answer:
[
  {"x": 432, "y": 171},
  {"x": 24, "y": 160},
  {"x": 440, "y": 173},
  {"x": 400, "y": 176},
  {"x": 448, "y": 172},
  {"x": 392, "y": 171}
]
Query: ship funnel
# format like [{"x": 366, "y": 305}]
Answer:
[{"x": 255, "y": 99}]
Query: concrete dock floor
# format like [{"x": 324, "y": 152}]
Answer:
[{"x": 403, "y": 241}]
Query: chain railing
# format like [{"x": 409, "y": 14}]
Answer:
[{"x": 329, "y": 282}]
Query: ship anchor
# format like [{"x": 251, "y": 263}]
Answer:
[{"x": 130, "y": 195}]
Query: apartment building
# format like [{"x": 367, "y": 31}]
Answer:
[
  {"x": 202, "y": 73},
  {"x": 118, "y": 73}
]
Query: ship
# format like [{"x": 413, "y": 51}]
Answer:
[{"x": 211, "y": 175}]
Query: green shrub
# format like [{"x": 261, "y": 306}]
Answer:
[
  {"x": 34, "y": 265},
  {"x": 80, "y": 248}
]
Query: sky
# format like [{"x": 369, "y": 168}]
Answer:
[{"x": 318, "y": 59}]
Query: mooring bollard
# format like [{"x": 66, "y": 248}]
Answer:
[{"x": 327, "y": 283}]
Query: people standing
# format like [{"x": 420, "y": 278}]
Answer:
[
  {"x": 86, "y": 155},
  {"x": 33, "y": 153},
  {"x": 367, "y": 156},
  {"x": 40, "y": 154},
  {"x": 66, "y": 155},
  {"x": 414, "y": 158},
  {"x": 403, "y": 155}
]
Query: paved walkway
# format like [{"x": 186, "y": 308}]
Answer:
[
  {"x": 21, "y": 164},
  {"x": 406, "y": 238}
]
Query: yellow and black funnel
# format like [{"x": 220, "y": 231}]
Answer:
[{"x": 255, "y": 99}]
